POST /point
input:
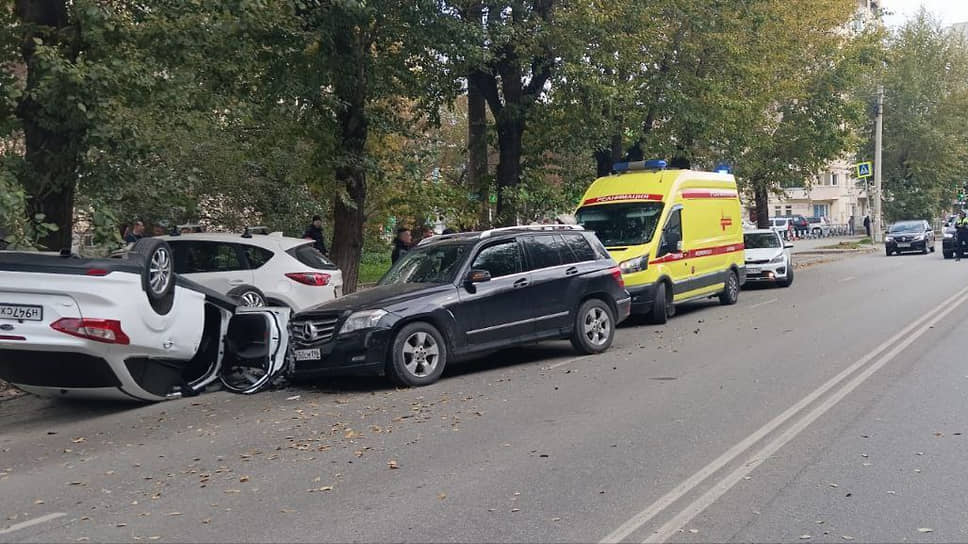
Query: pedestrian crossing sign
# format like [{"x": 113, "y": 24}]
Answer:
[{"x": 864, "y": 170}]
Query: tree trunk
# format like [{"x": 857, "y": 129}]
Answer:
[
  {"x": 606, "y": 158},
  {"x": 52, "y": 151},
  {"x": 762, "y": 197},
  {"x": 509, "y": 139},
  {"x": 477, "y": 151},
  {"x": 349, "y": 209}
]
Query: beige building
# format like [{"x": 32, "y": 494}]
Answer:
[{"x": 835, "y": 194}]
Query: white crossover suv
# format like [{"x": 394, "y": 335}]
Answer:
[
  {"x": 258, "y": 269},
  {"x": 129, "y": 328}
]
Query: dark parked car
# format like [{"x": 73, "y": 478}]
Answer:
[
  {"x": 909, "y": 236},
  {"x": 800, "y": 223},
  {"x": 455, "y": 296}
]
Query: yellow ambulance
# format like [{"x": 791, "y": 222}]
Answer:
[{"x": 676, "y": 234}]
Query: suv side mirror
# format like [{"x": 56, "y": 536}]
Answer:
[{"x": 478, "y": 276}]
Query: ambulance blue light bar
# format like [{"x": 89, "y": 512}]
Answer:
[{"x": 654, "y": 164}]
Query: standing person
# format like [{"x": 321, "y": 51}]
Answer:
[
  {"x": 961, "y": 232},
  {"x": 401, "y": 244},
  {"x": 867, "y": 225},
  {"x": 315, "y": 232},
  {"x": 850, "y": 226},
  {"x": 136, "y": 233}
]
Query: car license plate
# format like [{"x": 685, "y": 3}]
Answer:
[
  {"x": 21, "y": 312},
  {"x": 903, "y": 244},
  {"x": 308, "y": 354}
]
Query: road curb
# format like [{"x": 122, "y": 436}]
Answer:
[{"x": 836, "y": 251}]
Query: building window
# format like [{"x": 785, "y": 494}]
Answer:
[
  {"x": 777, "y": 211},
  {"x": 821, "y": 210},
  {"x": 789, "y": 210},
  {"x": 833, "y": 179}
]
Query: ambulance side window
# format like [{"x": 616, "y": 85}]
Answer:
[{"x": 672, "y": 233}]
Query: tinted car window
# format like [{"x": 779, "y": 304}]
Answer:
[
  {"x": 621, "y": 224},
  {"x": 761, "y": 240},
  {"x": 195, "y": 257},
  {"x": 501, "y": 259},
  {"x": 546, "y": 251},
  {"x": 429, "y": 264},
  {"x": 311, "y": 257},
  {"x": 257, "y": 256},
  {"x": 580, "y": 247}
]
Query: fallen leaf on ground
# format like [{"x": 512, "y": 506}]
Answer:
[
  {"x": 393, "y": 464},
  {"x": 294, "y": 397},
  {"x": 442, "y": 496},
  {"x": 846, "y": 537},
  {"x": 78, "y": 440},
  {"x": 38, "y": 501},
  {"x": 244, "y": 479},
  {"x": 805, "y": 537},
  {"x": 121, "y": 525},
  {"x": 925, "y": 530},
  {"x": 174, "y": 513},
  {"x": 515, "y": 509},
  {"x": 233, "y": 490}
]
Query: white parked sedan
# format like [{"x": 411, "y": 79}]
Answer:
[
  {"x": 258, "y": 270},
  {"x": 768, "y": 258},
  {"x": 129, "y": 328}
]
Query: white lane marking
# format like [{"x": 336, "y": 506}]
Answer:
[
  {"x": 31, "y": 522},
  {"x": 721, "y": 487},
  {"x": 764, "y": 303},
  {"x": 848, "y": 278},
  {"x": 646, "y": 515}
]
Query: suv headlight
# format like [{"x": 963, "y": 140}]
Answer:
[
  {"x": 637, "y": 264},
  {"x": 889, "y": 239},
  {"x": 367, "y": 319},
  {"x": 778, "y": 259},
  {"x": 949, "y": 235},
  {"x": 919, "y": 237}
]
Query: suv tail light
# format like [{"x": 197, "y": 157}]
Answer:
[
  {"x": 617, "y": 274},
  {"x": 107, "y": 331},
  {"x": 316, "y": 279}
]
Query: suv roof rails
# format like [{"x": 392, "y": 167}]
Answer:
[{"x": 492, "y": 232}]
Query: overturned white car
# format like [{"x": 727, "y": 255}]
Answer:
[{"x": 129, "y": 328}]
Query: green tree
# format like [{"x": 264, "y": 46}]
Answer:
[{"x": 925, "y": 150}]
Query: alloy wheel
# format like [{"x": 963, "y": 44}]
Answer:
[
  {"x": 421, "y": 354},
  {"x": 596, "y": 326}
]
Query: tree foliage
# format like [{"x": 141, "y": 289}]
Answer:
[{"x": 925, "y": 150}]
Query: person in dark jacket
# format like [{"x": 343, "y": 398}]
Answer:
[
  {"x": 867, "y": 225},
  {"x": 961, "y": 235},
  {"x": 401, "y": 244},
  {"x": 315, "y": 232},
  {"x": 136, "y": 233}
]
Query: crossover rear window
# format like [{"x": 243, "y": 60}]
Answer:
[{"x": 311, "y": 257}]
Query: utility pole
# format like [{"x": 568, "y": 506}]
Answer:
[{"x": 876, "y": 227}]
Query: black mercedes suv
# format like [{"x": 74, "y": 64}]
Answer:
[{"x": 458, "y": 295}]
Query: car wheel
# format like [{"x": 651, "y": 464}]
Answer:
[
  {"x": 594, "y": 327},
  {"x": 663, "y": 307},
  {"x": 730, "y": 294},
  {"x": 788, "y": 280},
  {"x": 419, "y": 355},
  {"x": 158, "y": 274},
  {"x": 888, "y": 251},
  {"x": 248, "y": 296}
]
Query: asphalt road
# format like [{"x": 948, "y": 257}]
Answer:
[{"x": 834, "y": 410}]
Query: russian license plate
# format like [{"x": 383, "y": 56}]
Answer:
[
  {"x": 903, "y": 244},
  {"x": 21, "y": 312},
  {"x": 308, "y": 354}
]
